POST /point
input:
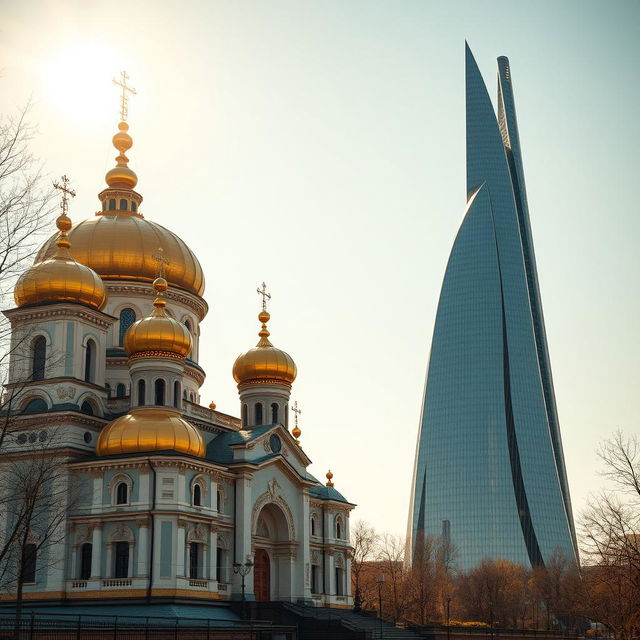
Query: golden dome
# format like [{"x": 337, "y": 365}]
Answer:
[
  {"x": 120, "y": 246},
  {"x": 150, "y": 429},
  {"x": 158, "y": 335},
  {"x": 59, "y": 278},
  {"x": 264, "y": 363}
]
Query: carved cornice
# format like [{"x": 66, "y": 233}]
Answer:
[
  {"x": 70, "y": 418},
  {"x": 195, "y": 303},
  {"x": 61, "y": 311},
  {"x": 194, "y": 373}
]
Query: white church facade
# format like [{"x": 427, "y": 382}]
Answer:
[{"x": 165, "y": 498}]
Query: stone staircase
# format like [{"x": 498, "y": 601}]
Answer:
[{"x": 324, "y": 623}]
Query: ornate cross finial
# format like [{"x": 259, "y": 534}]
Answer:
[
  {"x": 296, "y": 411},
  {"x": 265, "y": 296},
  {"x": 162, "y": 262},
  {"x": 124, "y": 100},
  {"x": 66, "y": 192}
]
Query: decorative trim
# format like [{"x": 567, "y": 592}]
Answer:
[
  {"x": 67, "y": 311},
  {"x": 269, "y": 497}
]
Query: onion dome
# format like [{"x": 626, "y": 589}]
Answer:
[
  {"x": 59, "y": 278},
  {"x": 264, "y": 364},
  {"x": 146, "y": 429},
  {"x": 158, "y": 335},
  {"x": 118, "y": 243}
]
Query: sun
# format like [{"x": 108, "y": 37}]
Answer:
[{"x": 77, "y": 82}]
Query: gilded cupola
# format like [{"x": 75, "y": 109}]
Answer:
[
  {"x": 158, "y": 335},
  {"x": 59, "y": 277},
  {"x": 264, "y": 364},
  {"x": 148, "y": 429},
  {"x": 118, "y": 242}
]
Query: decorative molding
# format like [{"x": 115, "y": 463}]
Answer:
[
  {"x": 65, "y": 392},
  {"x": 198, "y": 533},
  {"x": 268, "y": 498},
  {"x": 122, "y": 533},
  {"x": 195, "y": 303},
  {"x": 70, "y": 312}
]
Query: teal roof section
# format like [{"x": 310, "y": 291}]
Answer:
[
  {"x": 219, "y": 449},
  {"x": 327, "y": 493}
]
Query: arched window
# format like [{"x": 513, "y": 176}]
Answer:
[
  {"x": 187, "y": 323},
  {"x": 258, "y": 410},
  {"x": 142, "y": 390},
  {"x": 121, "y": 390},
  {"x": 85, "y": 560},
  {"x": 90, "y": 361},
  {"x": 134, "y": 207},
  {"x": 160, "y": 386},
  {"x": 274, "y": 413},
  {"x": 195, "y": 555},
  {"x": 30, "y": 561},
  {"x": 339, "y": 581},
  {"x": 127, "y": 318},
  {"x": 244, "y": 415},
  {"x": 339, "y": 528},
  {"x": 112, "y": 204},
  {"x": 35, "y": 406},
  {"x": 176, "y": 394},
  {"x": 286, "y": 415},
  {"x": 123, "y": 204},
  {"x": 122, "y": 493},
  {"x": 313, "y": 525},
  {"x": 87, "y": 408},
  {"x": 197, "y": 495},
  {"x": 121, "y": 569},
  {"x": 38, "y": 358},
  {"x": 192, "y": 397},
  {"x": 184, "y": 394},
  {"x": 219, "y": 501}
]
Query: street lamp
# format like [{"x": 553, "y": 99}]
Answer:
[
  {"x": 380, "y": 583},
  {"x": 243, "y": 568},
  {"x": 448, "y": 617}
]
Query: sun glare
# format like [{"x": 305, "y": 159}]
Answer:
[{"x": 77, "y": 81}]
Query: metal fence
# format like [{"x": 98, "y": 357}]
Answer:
[{"x": 32, "y": 626}]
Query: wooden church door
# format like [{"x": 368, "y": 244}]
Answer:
[{"x": 262, "y": 576}]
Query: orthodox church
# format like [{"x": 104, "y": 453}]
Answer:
[{"x": 168, "y": 500}]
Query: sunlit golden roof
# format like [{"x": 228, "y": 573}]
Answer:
[
  {"x": 119, "y": 242},
  {"x": 158, "y": 335},
  {"x": 264, "y": 363},
  {"x": 59, "y": 278},
  {"x": 148, "y": 429}
]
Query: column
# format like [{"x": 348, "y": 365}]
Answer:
[
  {"x": 213, "y": 551},
  {"x": 109, "y": 568},
  {"x": 97, "y": 491},
  {"x": 242, "y": 533},
  {"x": 130, "y": 567},
  {"x": 304, "y": 574},
  {"x": 180, "y": 548},
  {"x": 96, "y": 551},
  {"x": 143, "y": 548}
]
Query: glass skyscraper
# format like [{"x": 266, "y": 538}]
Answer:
[{"x": 489, "y": 472}]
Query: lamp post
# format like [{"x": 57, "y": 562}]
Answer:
[
  {"x": 448, "y": 617},
  {"x": 243, "y": 568},
  {"x": 380, "y": 583}
]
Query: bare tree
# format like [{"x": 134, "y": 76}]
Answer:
[
  {"x": 611, "y": 541},
  {"x": 396, "y": 584},
  {"x": 36, "y": 493},
  {"x": 365, "y": 540}
]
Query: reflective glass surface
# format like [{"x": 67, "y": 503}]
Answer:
[{"x": 489, "y": 464}]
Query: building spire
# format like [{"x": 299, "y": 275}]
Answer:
[
  {"x": 124, "y": 99},
  {"x": 296, "y": 429},
  {"x": 63, "y": 222}
]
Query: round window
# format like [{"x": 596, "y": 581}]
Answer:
[
  {"x": 275, "y": 443},
  {"x": 22, "y": 438},
  {"x": 33, "y": 437},
  {"x": 87, "y": 437},
  {"x": 42, "y": 436}
]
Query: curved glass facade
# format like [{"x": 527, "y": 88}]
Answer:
[{"x": 489, "y": 472}]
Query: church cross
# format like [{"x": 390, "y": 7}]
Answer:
[
  {"x": 265, "y": 296},
  {"x": 124, "y": 100},
  {"x": 66, "y": 192},
  {"x": 296, "y": 411},
  {"x": 162, "y": 262}
]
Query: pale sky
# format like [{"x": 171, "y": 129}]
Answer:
[{"x": 319, "y": 146}]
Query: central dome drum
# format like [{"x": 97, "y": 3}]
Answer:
[{"x": 121, "y": 247}]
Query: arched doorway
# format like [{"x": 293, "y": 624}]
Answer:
[
  {"x": 273, "y": 553},
  {"x": 262, "y": 576}
]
